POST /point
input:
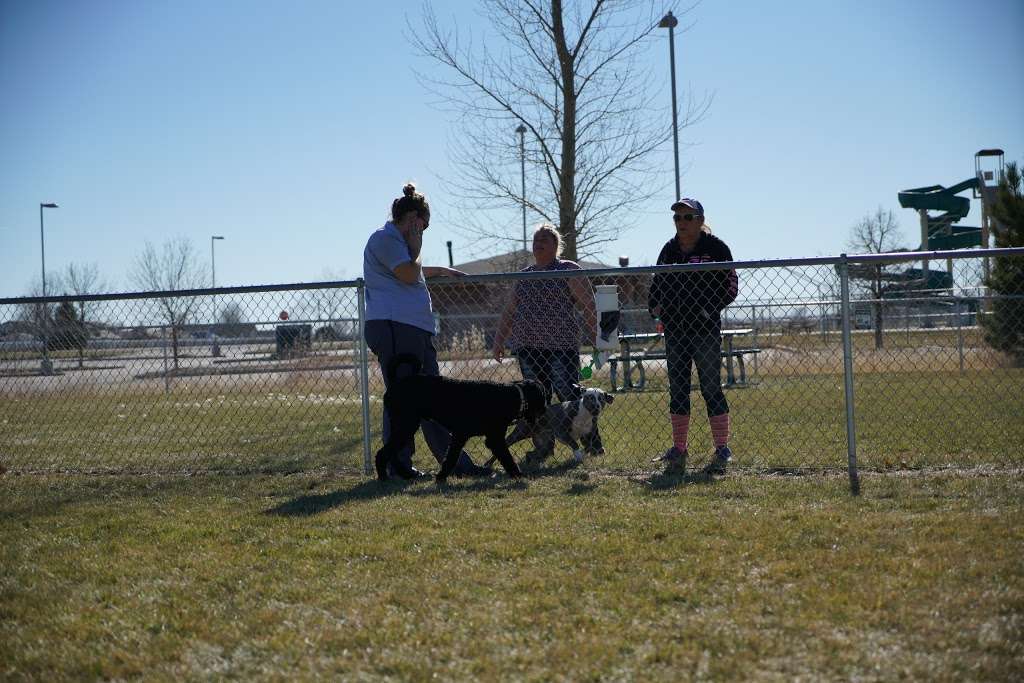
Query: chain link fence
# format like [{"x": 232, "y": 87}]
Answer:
[{"x": 277, "y": 379}]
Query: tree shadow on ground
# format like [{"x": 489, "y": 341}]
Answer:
[
  {"x": 661, "y": 481},
  {"x": 546, "y": 470}
]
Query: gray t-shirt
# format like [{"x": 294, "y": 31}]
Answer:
[{"x": 387, "y": 297}]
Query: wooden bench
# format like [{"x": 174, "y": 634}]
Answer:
[{"x": 635, "y": 360}]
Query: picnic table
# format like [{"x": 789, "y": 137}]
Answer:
[{"x": 637, "y": 348}]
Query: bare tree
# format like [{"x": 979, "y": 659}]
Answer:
[
  {"x": 78, "y": 280},
  {"x": 570, "y": 74},
  {"x": 231, "y": 320},
  {"x": 175, "y": 266},
  {"x": 81, "y": 279},
  {"x": 876, "y": 233},
  {"x": 39, "y": 316}
]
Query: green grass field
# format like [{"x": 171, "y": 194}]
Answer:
[
  {"x": 573, "y": 577},
  {"x": 223, "y": 529},
  {"x": 905, "y": 420}
]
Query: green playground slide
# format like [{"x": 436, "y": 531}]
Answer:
[
  {"x": 939, "y": 198},
  {"x": 942, "y": 234}
]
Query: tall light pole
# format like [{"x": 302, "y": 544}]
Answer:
[
  {"x": 46, "y": 367},
  {"x": 670, "y": 22},
  {"x": 213, "y": 261},
  {"x": 215, "y": 349},
  {"x": 522, "y": 174}
]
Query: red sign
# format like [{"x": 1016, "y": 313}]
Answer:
[{"x": 283, "y": 315}]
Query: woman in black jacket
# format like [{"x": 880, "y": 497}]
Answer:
[{"x": 689, "y": 305}]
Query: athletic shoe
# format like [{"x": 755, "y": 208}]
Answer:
[
  {"x": 674, "y": 461},
  {"x": 408, "y": 472},
  {"x": 718, "y": 464}
]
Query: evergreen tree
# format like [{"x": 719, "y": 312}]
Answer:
[
  {"x": 1004, "y": 326},
  {"x": 68, "y": 331}
]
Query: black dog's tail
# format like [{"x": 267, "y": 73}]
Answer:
[{"x": 400, "y": 360}]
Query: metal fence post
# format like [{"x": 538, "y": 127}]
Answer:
[
  {"x": 167, "y": 375},
  {"x": 364, "y": 375},
  {"x": 753, "y": 321},
  {"x": 851, "y": 429},
  {"x": 959, "y": 335}
]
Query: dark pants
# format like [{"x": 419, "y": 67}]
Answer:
[
  {"x": 685, "y": 349},
  {"x": 387, "y": 339},
  {"x": 559, "y": 371}
]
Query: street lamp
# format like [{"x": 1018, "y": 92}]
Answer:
[
  {"x": 213, "y": 261},
  {"x": 670, "y": 22},
  {"x": 522, "y": 173},
  {"x": 46, "y": 367},
  {"x": 215, "y": 349}
]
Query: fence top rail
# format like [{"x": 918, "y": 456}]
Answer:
[
  {"x": 892, "y": 257},
  {"x": 167, "y": 294}
]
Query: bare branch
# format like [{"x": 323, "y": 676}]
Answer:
[{"x": 569, "y": 71}]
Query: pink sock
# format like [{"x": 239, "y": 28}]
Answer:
[
  {"x": 720, "y": 429},
  {"x": 680, "y": 429}
]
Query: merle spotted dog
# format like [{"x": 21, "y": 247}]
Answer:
[
  {"x": 464, "y": 408},
  {"x": 569, "y": 422}
]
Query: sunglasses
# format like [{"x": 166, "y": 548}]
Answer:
[{"x": 688, "y": 217}]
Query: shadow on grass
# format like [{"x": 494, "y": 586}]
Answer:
[
  {"x": 580, "y": 488},
  {"x": 545, "y": 470},
  {"x": 314, "y": 504},
  {"x": 661, "y": 481}
]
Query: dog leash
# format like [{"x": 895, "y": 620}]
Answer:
[{"x": 522, "y": 400}]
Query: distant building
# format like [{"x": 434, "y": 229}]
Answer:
[
  {"x": 512, "y": 262},
  {"x": 470, "y": 310}
]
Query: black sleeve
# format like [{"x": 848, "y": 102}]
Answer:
[{"x": 728, "y": 280}]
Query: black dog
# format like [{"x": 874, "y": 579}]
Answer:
[{"x": 462, "y": 407}]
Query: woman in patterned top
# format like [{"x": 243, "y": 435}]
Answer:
[{"x": 542, "y": 327}]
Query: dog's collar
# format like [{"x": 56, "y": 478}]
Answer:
[{"x": 522, "y": 400}]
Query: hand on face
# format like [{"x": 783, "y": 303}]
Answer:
[
  {"x": 414, "y": 236},
  {"x": 412, "y": 231}
]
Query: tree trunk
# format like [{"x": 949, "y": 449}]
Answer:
[
  {"x": 877, "y": 295},
  {"x": 174, "y": 344},
  {"x": 567, "y": 176}
]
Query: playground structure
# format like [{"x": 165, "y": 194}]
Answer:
[{"x": 941, "y": 232}]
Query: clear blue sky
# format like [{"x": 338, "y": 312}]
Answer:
[{"x": 288, "y": 127}]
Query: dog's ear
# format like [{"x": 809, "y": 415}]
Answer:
[{"x": 606, "y": 397}]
